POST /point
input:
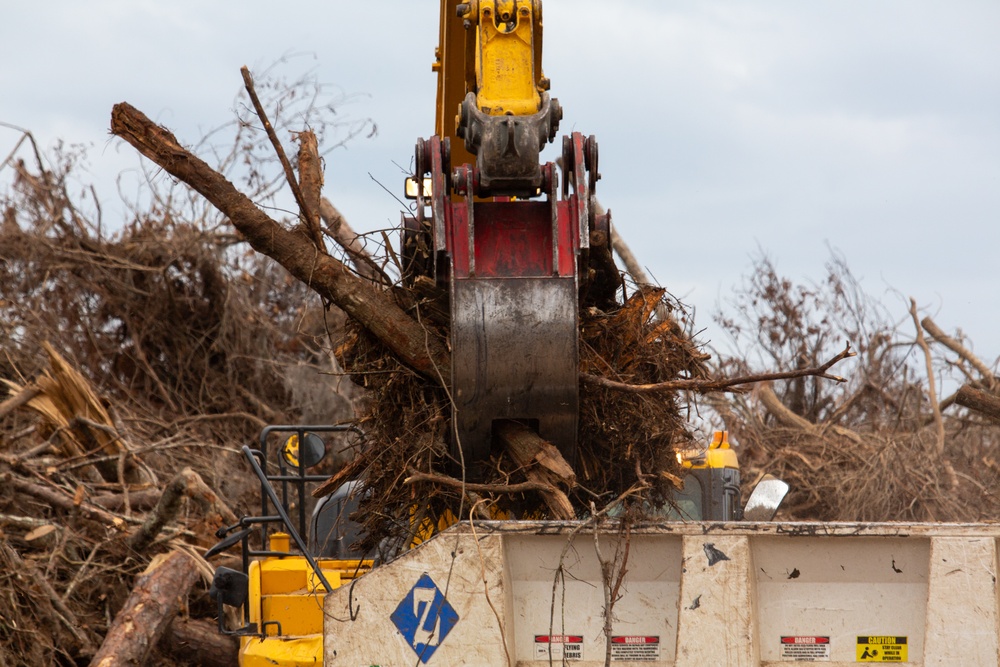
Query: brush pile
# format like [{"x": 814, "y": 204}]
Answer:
[
  {"x": 913, "y": 434},
  {"x": 626, "y": 441},
  {"x": 133, "y": 367}
]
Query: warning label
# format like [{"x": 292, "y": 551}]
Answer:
[
  {"x": 882, "y": 649},
  {"x": 805, "y": 649},
  {"x": 559, "y": 647},
  {"x": 635, "y": 648}
]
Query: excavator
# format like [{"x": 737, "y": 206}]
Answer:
[
  {"x": 711, "y": 583},
  {"x": 507, "y": 236}
]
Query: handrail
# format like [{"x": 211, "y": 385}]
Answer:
[{"x": 273, "y": 497}]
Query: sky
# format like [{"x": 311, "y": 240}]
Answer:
[{"x": 727, "y": 128}]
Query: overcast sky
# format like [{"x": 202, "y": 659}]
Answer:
[{"x": 791, "y": 126}]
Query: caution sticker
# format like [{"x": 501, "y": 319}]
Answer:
[
  {"x": 559, "y": 647},
  {"x": 882, "y": 649},
  {"x": 642, "y": 648},
  {"x": 805, "y": 649}
]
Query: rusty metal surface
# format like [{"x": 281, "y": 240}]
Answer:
[
  {"x": 777, "y": 528},
  {"x": 514, "y": 356}
]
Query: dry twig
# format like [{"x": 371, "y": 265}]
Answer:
[
  {"x": 309, "y": 214},
  {"x": 717, "y": 385}
]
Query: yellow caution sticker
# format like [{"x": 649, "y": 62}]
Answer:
[{"x": 882, "y": 649}]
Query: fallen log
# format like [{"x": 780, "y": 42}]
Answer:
[
  {"x": 198, "y": 642},
  {"x": 154, "y": 603},
  {"x": 979, "y": 401},
  {"x": 373, "y": 308}
]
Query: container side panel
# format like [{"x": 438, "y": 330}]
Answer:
[
  {"x": 558, "y": 599},
  {"x": 962, "y": 603},
  {"x": 432, "y": 606},
  {"x": 716, "y": 623},
  {"x": 839, "y": 589}
]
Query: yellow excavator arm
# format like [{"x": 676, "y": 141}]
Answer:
[
  {"x": 489, "y": 67},
  {"x": 508, "y": 49}
]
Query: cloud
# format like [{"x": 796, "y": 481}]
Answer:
[{"x": 870, "y": 125}]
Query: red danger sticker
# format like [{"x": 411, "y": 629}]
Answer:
[
  {"x": 558, "y": 639},
  {"x": 559, "y": 647},
  {"x": 805, "y": 649},
  {"x": 635, "y": 648}
]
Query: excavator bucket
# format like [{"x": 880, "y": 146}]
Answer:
[
  {"x": 512, "y": 270},
  {"x": 514, "y": 356}
]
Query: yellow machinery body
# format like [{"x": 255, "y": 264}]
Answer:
[
  {"x": 286, "y": 602},
  {"x": 719, "y": 455},
  {"x": 507, "y": 67},
  {"x": 712, "y": 484}
]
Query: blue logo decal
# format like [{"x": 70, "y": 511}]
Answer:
[{"x": 424, "y": 618}]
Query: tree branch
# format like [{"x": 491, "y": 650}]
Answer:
[
  {"x": 18, "y": 398},
  {"x": 940, "y": 336},
  {"x": 538, "y": 459},
  {"x": 373, "y": 309},
  {"x": 980, "y": 401},
  {"x": 932, "y": 396},
  {"x": 310, "y": 217},
  {"x": 717, "y": 385},
  {"x": 443, "y": 480},
  {"x": 341, "y": 232}
]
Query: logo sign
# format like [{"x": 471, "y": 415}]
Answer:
[
  {"x": 424, "y": 618},
  {"x": 882, "y": 649}
]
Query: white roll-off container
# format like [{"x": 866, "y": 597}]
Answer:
[{"x": 684, "y": 595}]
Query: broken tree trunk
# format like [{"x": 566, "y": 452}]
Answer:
[
  {"x": 542, "y": 463},
  {"x": 153, "y": 604},
  {"x": 311, "y": 184},
  {"x": 539, "y": 460},
  {"x": 980, "y": 401},
  {"x": 187, "y": 484},
  {"x": 372, "y": 308}
]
